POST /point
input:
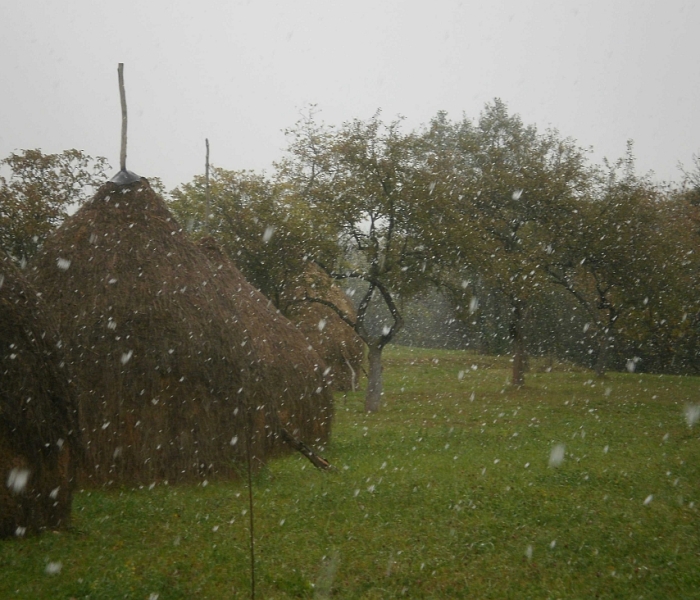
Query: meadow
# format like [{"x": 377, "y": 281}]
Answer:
[{"x": 460, "y": 487}]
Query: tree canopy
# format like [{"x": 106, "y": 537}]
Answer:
[{"x": 40, "y": 191}]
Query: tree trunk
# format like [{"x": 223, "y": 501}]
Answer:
[
  {"x": 602, "y": 358},
  {"x": 374, "y": 383},
  {"x": 516, "y": 335}
]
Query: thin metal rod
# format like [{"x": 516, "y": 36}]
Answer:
[
  {"x": 122, "y": 95},
  {"x": 207, "y": 204},
  {"x": 250, "y": 509}
]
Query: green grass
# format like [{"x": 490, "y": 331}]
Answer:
[{"x": 447, "y": 492}]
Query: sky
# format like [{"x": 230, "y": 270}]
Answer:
[{"x": 241, "y": 72}]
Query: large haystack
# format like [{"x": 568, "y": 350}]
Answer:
[
  {"x": 165, "y": 361},
  {"x": 38, "y": 419},
  {"x": 288, "y": 376},
  {"x": 336, "y": 342}
]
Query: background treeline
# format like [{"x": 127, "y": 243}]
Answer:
[{"x": 485, "y": 234}]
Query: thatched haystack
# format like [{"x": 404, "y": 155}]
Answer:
[
  {"x": 287, "y": 376},
  {"x": 165, "y": 361},
  {"x": 38, "y": 419},
  {"x": 336, "y": 342}
]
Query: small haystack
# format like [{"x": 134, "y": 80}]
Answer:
[
  {"x": 166, "y": 363},
  {"x": 288, "y": 376},
  {"x": 38, "y": 418},
  {"x": 336, "y": 342}
]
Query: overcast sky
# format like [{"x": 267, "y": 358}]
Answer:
[{"x": 238, "y": 72}]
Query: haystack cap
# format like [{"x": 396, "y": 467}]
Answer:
[{"x": 125, "y": 177}]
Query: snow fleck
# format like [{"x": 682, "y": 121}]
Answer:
[
  {"x": 556, "y": 457},
  {"x": 267, "y": 236},
  {"x": 234, "y": 440},
  {"x": 517, "y": 194},
  {"x": 321, "y": 324},
  {"x": 692, "y": 414},
  {"x": 553, "y": 544},
  {"x": 386, "y": 330},
  {"x": 281, "y": 522},
  {"x": 17, "y": 480},
  {"x": 528, "y": 552},
  {"x": 648, "y": 499},
  {"x": 20, "y": 531},
  {"x": 605, "y": 450},
  {"x": 63, "y": 263},
  {"x": 473, "y": 305},
  {"x": 53, "y": 568},
  {"x": 356, "y": 493},
  {"x": 126, "y": 356},
  {"x": 460, "y": 375},
  {"x": 54, "y": 493}
]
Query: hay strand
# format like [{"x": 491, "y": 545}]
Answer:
[{"x": 39, "y": 441}]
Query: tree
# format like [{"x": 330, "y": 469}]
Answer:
[
  {"x": 265, "y": 236},
  {"x": 40, "y": 192},
  {"x": 361, "y": 183},
  {"x": 614, "y": 255},
  {"x": 505, "y": 187}
]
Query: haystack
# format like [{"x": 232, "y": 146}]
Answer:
[
  {"x": 336, "y": 342},
  {"x": 38, "y": 419},
  {"x": 167, "y": 364},
  {"x": 287, "y": 376}
]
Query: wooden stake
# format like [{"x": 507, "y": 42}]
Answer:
[
  {"x": 123, "y": 177},
  {"x": 317, "y": 461},
  {"x": 122, "y": 95}
]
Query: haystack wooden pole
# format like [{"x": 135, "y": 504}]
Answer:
[
  {"x": 207, "y": 203},
  {"x": 122, "y": 95}
]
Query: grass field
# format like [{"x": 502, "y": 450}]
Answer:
[{"x": 460, "y": 487}]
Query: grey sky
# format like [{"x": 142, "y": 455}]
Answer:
[{"x": 240, "y": 72}]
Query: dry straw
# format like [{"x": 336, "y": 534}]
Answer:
[
  {"x": 38, "y": 414},
  {"x": 173, "y": 376},
  {"x": 287, "y": 374}
]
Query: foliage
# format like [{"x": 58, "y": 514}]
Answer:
[
  {"x": 617, "y": 256},
  {"x": 267, "y": 235},
  {"x": 362, "y": 182},
  {"x": 433, "y": 497},
  {"x": 506, "y": 187},
  {"x": 40, "y": 192}
]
